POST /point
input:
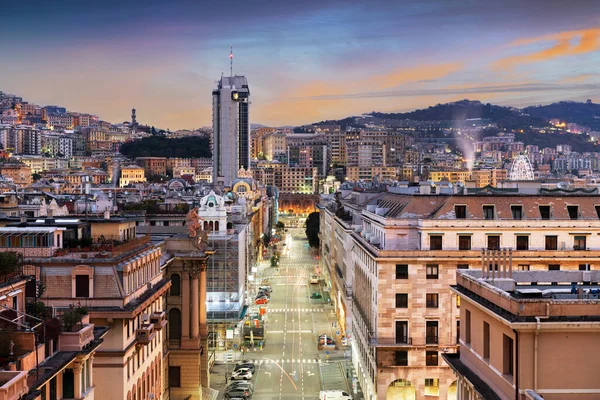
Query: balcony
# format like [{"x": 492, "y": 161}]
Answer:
[
  {"x": 159, "y": 320},
  {"x": 432, "y": 340},
  {"x": 391, "y": 342},
  {"x": 145, "y": 333},
  {"x": 14, "y": 385},
  {"x": 76, "y": 341}
]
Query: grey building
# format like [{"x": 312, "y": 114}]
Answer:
[{"x": 231, "y": 128}]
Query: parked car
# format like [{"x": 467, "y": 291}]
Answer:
[
  {"x": 238, "y": 394},
  {"x": 316, "y": 295},
  {"x": 334, "y": 395},
  {"x": 249, "y": 365},
  {"x": 265, "y": 287},
  {"x": 314, "y": 278},
  {"x": 241, "y": 384},
  {"x": 242, "y": 373}
]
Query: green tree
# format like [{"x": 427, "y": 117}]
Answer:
[
  {"x": 312, "y": 229},
  {"x": 36, "y": 177},
  {"x": 280, "y": 225}
]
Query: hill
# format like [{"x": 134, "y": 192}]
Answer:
[
  {"x": 160, "y": 146},
  {"x": 586, "y": 114}
]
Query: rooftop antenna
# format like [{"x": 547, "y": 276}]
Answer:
[{"x": 231, "y": 62}]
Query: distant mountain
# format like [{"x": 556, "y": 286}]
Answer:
[
  {"x": 586, "y": 114},
  {"x": 504, "y": 117}
]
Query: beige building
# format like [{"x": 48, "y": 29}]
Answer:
[
  {"x": 299, "y": 180},
  {"x": 366, "y": 173},
  {"x": 131, "y": 174},
  {"x": 274, "y": 145},
  {"x": 178, "y": 172},
  {"x": 153, "y": 165},
  {"x": 391, "y": 258},
  {"x": 526, "y": 334},
  {"x": 19, "y": 173},
  {"x": 122, "y": 286}
]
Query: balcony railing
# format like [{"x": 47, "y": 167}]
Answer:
[
  {"x": 391, "y": 342},
  {"x": 76, "y": 341},
  {"x": 432, "y": 340},
  {"x": 145, "y": 333},
  {"x": 14, "y": 385},
  {"x": 159, "y": 320}
]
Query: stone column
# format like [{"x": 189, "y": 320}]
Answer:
[
  {"x": 202, "y": 310},
  {"x": 185, "y": 300},
  {"x": 77, "y": 369},
  {"x": 194, "y": 311}
]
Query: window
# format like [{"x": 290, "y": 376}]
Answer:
[
  {"x": 82, "y": 286},
  {"x": 431, "y": 358},
  {"x": 522, "y": 242},
  {"x": 488, "y": 212},
  {"x": 486, "y": 340},
  {"x": 402, "y": 332},
  {"x": 597, "y": 211},
  {"x": 554, "y": 267},
  {"x": 545, "y": 212},
  {"x": 462, "y": 266},
  {"x": 493, "y": 242},
  {"x": 432, "y": 271},
  {"x": 464, "y": 242},
  {"x": 435, "y": 242},
  {"x": 467, "y": 327},
  {"x": 458, "y": 332},
  {"x": 551, "y": 242},
  {"x": 174, "y": 376},
  {"x": 517, "y": 212},
  {"x": 401, "y": 358},
  {"x": 460, "y": 212},
  {"x": 401, "y": 271},
  {"x": 432, "y": 387},
  {"x": 457, "y": 301},
  {"x": 431, "y": 332},
  {"x": 523, "y": 267},
  {"x": 401, "y": 300},
  {"x": 432, "y": 300},
  {"x": 573, "y": 212},
  {"x": 584, "y": 267},
  {"x": 175, "y": 289},
  {"x": 507, "y": 352},
  {"x": 579, "y": 243}
]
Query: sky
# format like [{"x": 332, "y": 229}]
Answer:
[{"x": 305, "y": 61}]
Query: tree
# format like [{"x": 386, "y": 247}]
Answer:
[
  {"x": 266, "y": 239},
  {"x": 280, "y": 225},
  {"x": 36, "y": 177},
  {"x": 312, "y": 229}
]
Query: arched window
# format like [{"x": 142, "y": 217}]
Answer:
[
  {"x": 174, "y": 324},
  {"x": 216, "y": 226},
  {"x": 205, "y": 226},
  {"x": 210, "y": 226},
  {"x": 175, "y": 285}
]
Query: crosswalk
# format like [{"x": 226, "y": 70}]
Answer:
[
  {"x": 303, "y": 310},
  {"x": 286, "y": 361},
  {"x": 289, "y": 277}
]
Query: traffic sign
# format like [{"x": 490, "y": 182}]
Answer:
[
  {"x": 327, "y": 352},
  {"x": 235, "y": 346}
]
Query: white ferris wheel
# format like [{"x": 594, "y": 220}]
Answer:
[{"x": 521, "y": 169}]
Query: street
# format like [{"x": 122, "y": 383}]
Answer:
[{"x": 290, "y": 366}]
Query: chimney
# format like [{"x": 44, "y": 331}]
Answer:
[
  {"x": 49, "y": 213},
  {"x": 23, "y": 218},
  {"x": 107, "y": 213}
]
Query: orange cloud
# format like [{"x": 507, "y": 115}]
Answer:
[
  {"x": 562, "y": 44},
  {"x": 578, "y": 78},
  {"x": 415, "y": 74}
]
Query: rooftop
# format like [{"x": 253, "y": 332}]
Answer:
[{"x": 521, "y": 296}]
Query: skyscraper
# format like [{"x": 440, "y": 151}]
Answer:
[{"x": 231, "y": 128}]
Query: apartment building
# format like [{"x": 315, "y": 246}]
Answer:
[
  {"x": 526, "y": 334},
  {"x": 121, "y": 284},
  {"x": 18, "y": 172},
  {"x": 57, "y": 145},
  {"x": 131, "y": 174},
  {"x": 274, "y": 146},
  {"x": 299, "y": 180},
  {"x": 153, "y": 165},
  {"x": 391, "y": 258}
]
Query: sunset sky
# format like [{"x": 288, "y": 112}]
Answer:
[{"x": 305, "y": 61}]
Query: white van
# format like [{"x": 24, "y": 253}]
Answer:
[{"x": 334, "y": 395}]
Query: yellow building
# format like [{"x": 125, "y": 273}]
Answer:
[
  {"x": 451, "y": 176},
  {"x": 131, "y": 174},
  {"x": 19, "y": 173}
]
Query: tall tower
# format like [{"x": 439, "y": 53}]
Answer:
[
  {"x": 133, "y": 118},
  {"x": 231, "y": 128}
]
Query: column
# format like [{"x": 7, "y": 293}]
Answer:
[
  {"x": 195, "y": 289},
  {"x": 202, "y": 290},
  {"x": 185, "y": 300},
  {"x": 77, "y": 368}
]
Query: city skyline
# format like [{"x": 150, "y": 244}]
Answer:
[{"x": 309, "y": 62}]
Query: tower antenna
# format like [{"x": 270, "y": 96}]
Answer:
[{"x": 231, "y": 62}]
